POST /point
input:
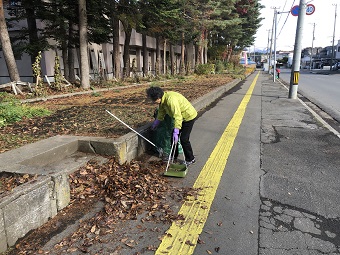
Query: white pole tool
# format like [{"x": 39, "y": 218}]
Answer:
[{"x": 160, "y": 150}]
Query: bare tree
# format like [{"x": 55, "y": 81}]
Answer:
[
  {"x": 84, "y": 61},
  {"x": 7, "y": 47}
]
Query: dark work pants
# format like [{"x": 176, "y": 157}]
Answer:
[{"x": 184, "y": 135}]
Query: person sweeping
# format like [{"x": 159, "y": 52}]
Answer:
[{"x": 184, "y": 115}]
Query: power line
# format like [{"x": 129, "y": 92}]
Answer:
[
  {"x": 282, "y": 9},
  {"x": 286, "y": 18}
]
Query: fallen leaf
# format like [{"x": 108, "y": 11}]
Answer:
[{"x": 188, "y": 242}]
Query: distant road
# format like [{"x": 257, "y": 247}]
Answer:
[{"x": 319, "y": 87}]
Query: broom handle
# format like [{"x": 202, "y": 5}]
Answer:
[
  {"x": 167, "y": 165},
  {"x": 131, "y": 128}
]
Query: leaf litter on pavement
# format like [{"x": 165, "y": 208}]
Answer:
[{"x": 131, "y": 192}]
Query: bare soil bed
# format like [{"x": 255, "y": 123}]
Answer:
[{"x": 85, "y": 115}]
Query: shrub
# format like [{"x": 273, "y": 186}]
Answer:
[
  {"x": 220, "y": 66},
  {"x": 203, "y": 69}
]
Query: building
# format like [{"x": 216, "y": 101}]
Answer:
[{"x": 100, "y": 57}]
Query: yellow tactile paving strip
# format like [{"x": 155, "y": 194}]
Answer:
[{"x": 182, "y": 236}]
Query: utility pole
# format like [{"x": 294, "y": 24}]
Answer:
[
  {"x": 271, "y": 43},
  {"x": 311, "y": 54},
  {"x": 268, "y": 46},
  {"x": 275, "y": 26},
  {"x": 333, "y": 37},
  {"x": 294, "y": 77},
  {"x": 254, "y": 53}
]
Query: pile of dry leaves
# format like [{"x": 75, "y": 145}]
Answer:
[{"x": 130, "y": 191}]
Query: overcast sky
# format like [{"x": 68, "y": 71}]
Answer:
[{"x": 323, "y": 17}]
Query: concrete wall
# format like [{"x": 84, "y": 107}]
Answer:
[
  {"x": 32, "y": 204},
  {"x": 27, "y": 207}
]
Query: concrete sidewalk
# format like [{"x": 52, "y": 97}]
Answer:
[{"x": 300, "y": 210}]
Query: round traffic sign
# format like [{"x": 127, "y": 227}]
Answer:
[
  {"x": 295, "y": 10},
  {"x": 310, "y": 9}
]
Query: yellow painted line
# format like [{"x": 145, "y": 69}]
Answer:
[{"x": 181, "y": 238}]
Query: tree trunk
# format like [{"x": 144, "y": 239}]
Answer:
[
  {"x": 126, "y": 56},
  {"x": 84, "y": 61},
  {"x": 72, "y": 74},
  {"x": 205, "y": 59},
  {"x": 116, "y": 49},
  {"x": 70, "y": 52},
  {"x": 164, "y": 57},
  {"x": 158, "y": 56},
  {"x": 145, "y": 56},
  {"x": 64, "y": 53},
  {"x": 7, "y": 47},
  {"x": 32, "y": 33},
  {"x": 182, "y": 64},
  {"x": 172, "y": 59},
  {"x": 201, "y": 48}
]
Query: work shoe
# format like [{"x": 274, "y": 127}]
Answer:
[{"x": 188, "y": 163}]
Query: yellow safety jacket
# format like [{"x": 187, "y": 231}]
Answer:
[{"x": 177, "y": 107}]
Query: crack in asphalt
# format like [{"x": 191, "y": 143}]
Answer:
[{"x": 288, "y": 228}]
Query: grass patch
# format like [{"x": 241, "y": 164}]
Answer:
[{"x": 12, "y": 110}]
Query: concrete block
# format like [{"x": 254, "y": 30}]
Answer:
[
  {"x": 54, "y": 154},
  {"x": 28, "y": 211},
  {"x": 96, "y": 145},
  {"x": 120, "y": 151},
  {"x": 3, "y": 238},
  {"x": 132, "y": 143},
  {"x": 32, "y": 150},
  {"x": 61, "y": 191}
]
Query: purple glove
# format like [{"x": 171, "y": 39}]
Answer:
[
  {"x": 155, "y": 124},
  {"x": 175, "y": 135}
]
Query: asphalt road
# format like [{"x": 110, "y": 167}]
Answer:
[{"x": 321, "y": 87}]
